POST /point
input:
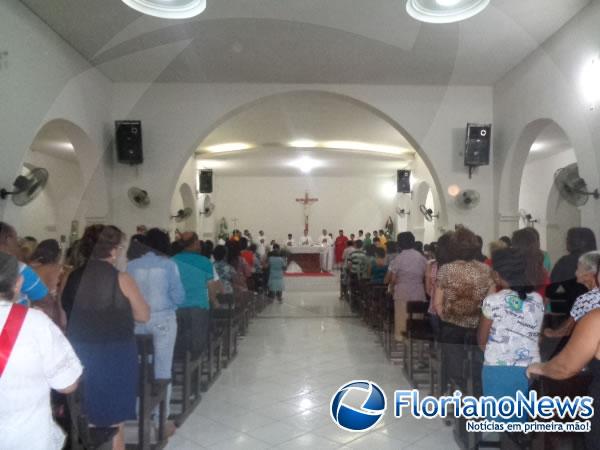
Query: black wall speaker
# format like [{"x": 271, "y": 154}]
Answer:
[
  {"x": 404, "y": 181},
  {"x": 206, "y": 179},
  {"x": 477, "y": 150},
  {"x": 129, "y": 141}
]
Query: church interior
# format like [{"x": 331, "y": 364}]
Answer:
[{"x": 303, "y": 207}]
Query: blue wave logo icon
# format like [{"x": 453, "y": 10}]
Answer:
[{"x": 358, "y": 406}]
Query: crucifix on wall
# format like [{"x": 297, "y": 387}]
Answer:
[{"x": 306, "y": 202}]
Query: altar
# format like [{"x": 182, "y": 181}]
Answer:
[{"x": 308, "y": 258}]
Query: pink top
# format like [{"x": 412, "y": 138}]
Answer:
[{"x": 409, "y": 269}]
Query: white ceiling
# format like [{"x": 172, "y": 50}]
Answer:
[
  {"x": 280, "y": 119},
  {"x": 281, "y": 162},
  {"x": 53, "y": 141},
  {"x": 305, "y": 41},
  {"x": 551, "y": 141},
  {"x": 270, "y": 125}
]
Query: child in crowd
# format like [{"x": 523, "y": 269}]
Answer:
[{"x": 510, "y": 328}]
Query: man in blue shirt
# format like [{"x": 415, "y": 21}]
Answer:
[
  {"x": 196, "y": 273},
  {"x": 33, "y": 291}
]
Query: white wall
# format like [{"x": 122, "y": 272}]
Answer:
[
  {"x": 177, "y": 117},
  {"x": 46, "y": 79},
  {"x": 268, "y": 203},
  {"x": 546, "y": 88}
]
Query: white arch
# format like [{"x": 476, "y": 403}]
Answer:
[
  {"x": 73, "y": 189},
  {"x": 436, "y": 185}
]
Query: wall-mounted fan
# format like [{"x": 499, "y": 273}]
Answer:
[
  {"x": 27, "y": 187},
  {"x": 428, "y": 213},
  {"x": 402, "y": 211},
  {"x": 572, "y": 187},
  {"x": 527, "y": 218},
  {"x": 208, "y": 207},
  {"x": 139, "y": 197},
  {"x": 468, "y": 199},
  {"x": 182, "y": 214}
]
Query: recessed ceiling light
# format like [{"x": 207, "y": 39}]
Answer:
[
  {"x": 229, "y": 147},
  {"x": 306, "y": 164},
  {"x": 168, "y": 9},
  {"x": 303, "y": 143},
  {"x": 444, "y": 11}
]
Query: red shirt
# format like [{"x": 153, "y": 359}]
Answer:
[{"x": 248, "y": 257}]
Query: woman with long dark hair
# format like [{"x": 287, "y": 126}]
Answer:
[
  {"x": 105, "y": 304},
  {"x": 563, "y": 282}
]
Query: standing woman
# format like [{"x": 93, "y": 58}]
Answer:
[
  {"x": 583, "y": 349},
  {"x": 45, "y": 261},
  {"x": 276, "y": 265},
  {"x": 461, "y": 287},
  {"x": 158, "y": 279},
  {"x": 564, "y": 285},
  {"x": 406, "y": 273},
  {"x": 105, "y": 304},
  {"x": 441, "y": 257}
]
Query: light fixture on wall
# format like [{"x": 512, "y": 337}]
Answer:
[
  {"x": 168, "y": 9},
  {"x": 444, "y": 11},
  {"x": 590, "y": 83}
]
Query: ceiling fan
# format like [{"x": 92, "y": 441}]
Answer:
[
  {"x": 27, "y": 187},
  {"x": 182, "y": 214},
  {"x": 428, "y": 213}
]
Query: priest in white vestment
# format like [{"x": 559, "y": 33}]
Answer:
[
  {"x": 290, "y": 241},
  {"x": 327, "y": 237},
  {"x": 327, "y": 255},
  {"x": 306, "y": 240}
]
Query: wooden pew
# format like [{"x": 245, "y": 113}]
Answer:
[
  {"x": 418, "y": 332},
  {"x": 82, "y": 436},
  {"x": 187, "y": 369},
  {"x": 152, "y": 394},
  {"x": 213, "y": 358},
  {"x": 226, "y": 322}
]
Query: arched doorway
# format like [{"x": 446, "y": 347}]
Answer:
[
  {"x": 265, "y": 138},
  {"x": 540, "y": 204},
  {"x": 423, "y": 229},
  {"x": 59, "y": 211}
]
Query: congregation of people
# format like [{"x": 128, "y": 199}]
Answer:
[
  {"x": 77, "y": 314},
  {"x": 502, "y": 306},
  {"x": 79, "y": 311}
]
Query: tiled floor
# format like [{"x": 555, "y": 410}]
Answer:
[{"x": 276, "y": 393}]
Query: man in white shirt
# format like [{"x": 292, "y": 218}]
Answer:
[
  {"x": 41, "y": 359},
  {"x": 306, "y": 240},
  {"x": 290, "y": 241},
  {"x": 328, "y": 238}
]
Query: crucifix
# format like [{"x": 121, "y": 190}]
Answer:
[{"x": 306, "y": 202}]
